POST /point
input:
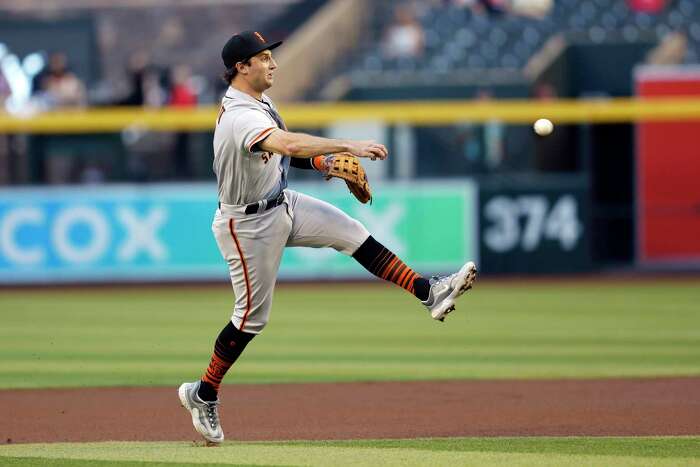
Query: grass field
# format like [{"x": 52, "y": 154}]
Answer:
[
  {"x": 162, "y": 336},
  {"x": 417, "y": 452}
]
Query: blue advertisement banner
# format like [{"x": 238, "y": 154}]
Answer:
[
  {"x": 163, "y": 232},
  {"x": 108, "y": 233}
]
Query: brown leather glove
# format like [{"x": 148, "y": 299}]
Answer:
[{"x": 346, "y": 166}]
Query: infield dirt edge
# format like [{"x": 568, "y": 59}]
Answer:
[{"x": 370, "y": 410}]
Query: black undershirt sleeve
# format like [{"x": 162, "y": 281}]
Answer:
[{"x": 301, "y": 163}]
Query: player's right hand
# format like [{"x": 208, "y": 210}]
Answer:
[{"x": 368, "y": 149}]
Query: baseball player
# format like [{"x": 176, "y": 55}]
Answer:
[{"x": 258, "y": 216}]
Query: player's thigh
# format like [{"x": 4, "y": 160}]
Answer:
[
  {"x": 254, "y": 237},
  {"x": 252, "y": 246},
  {"x": 319, "y": 224}
]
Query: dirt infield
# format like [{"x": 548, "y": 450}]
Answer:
[{"x": 660, "y": 406}]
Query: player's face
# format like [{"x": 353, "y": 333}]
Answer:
[{"x": 262, "y": 69}]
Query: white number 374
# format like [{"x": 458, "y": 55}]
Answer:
[{"x": 506, "y": 232}]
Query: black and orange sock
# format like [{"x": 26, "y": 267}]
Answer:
[
  {"x": 384, "y": 264},
  {"x": 227, "y": 348}
]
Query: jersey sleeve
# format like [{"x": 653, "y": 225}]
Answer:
[{"x": 252, "y": 127}]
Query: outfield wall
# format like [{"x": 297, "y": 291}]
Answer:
[
  {"x": 668, "y": 169},
  {"x": 162, "y": 232}
]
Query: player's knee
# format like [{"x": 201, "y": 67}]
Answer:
[
  {"x": 252, "y": 322},
  {"x": 252, "y": 325},
  {"x": 360, "y": 232},
  {"x": 354, "y": 233}
]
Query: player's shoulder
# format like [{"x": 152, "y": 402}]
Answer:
[
  {"x": 243, "y": 111},
  {"x": 249, "y": 116},
  {"x": 236, "y": 103}
]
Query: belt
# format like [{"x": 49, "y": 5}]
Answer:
[{"x": 265, "y": 204}]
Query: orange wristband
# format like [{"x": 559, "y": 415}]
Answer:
[{"x": 319, "y": 163}]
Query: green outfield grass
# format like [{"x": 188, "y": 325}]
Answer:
[
  {"x": 162, "y": 336},
  {"x": 418, "y": 452}
]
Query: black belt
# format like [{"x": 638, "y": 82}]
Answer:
[{"x": 252, "y": 208}]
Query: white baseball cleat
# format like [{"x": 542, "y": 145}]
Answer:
[
  {"x": 445, "y": 290},
  {"x": 205, "y": 415}
]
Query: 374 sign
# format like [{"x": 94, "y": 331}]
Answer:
[
  {"x": 525, "y": 221},
  {"x": 528, "y": 231}
]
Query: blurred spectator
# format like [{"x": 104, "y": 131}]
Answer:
[
  {"x": 647, "y": 6},
  {"x": 135, "y": 69},
  {"x": 545, "y": 91},
  {"x": 182, "y": 93},
  {"x": 493, "y": 7},
  {"x": 92, "y": 173},
  {"x": 60, "y": 87},
  {"x": 493, "y": 134},
  {"x": 528, "y": 8},
  {"x": 473, "y": 5},
  {"x": 155, "y": 93},
  {"x": 4, "y": 90},
  {"x": 465, "y": 3},
  {"x": 147, "y": 86},
  {"x": 404, "y": 38}
]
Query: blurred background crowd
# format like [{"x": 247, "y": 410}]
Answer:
[{"x": 157, "y": 53}]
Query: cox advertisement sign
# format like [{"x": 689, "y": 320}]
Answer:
[
  {"x": 163, "y": 232},
  {"x": 99, "y": 234}
]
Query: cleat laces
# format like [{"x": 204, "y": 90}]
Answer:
[
  {"x": 213, "y": 413},
  {"x": 439, "y": 280}
]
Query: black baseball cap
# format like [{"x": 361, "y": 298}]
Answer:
[{"x": 245, "y": 45}]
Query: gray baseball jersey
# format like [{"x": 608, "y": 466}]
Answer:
[
  {"x": 252, "y": 242},
  {"x": 245, "y": 174}
]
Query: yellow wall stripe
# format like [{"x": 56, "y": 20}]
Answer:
[{"x": 321, "y": 114}]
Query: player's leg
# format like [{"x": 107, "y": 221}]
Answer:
[
  {"x": 200, "y": 398},
  {"x": 252, "y": 246},
  {"x": 383, "y": 263},
  {"x": 229, "y": 345},
  {"x": 438, "y": 294},
  {"x": 319, "y": 224}
]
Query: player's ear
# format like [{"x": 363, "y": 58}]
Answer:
[{"x": 242, "y": 67}]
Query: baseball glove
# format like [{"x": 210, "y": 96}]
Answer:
[{"x": 346, "y": 166}]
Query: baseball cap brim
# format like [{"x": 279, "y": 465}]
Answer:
[
  {"x": 245, "y": 45},
  {"x": 266, "y": 46}
]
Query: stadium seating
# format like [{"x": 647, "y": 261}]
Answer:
[{"x": 456, "y": 38}]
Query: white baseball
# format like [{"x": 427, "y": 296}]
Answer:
[{"x": 543, "y": 127}]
